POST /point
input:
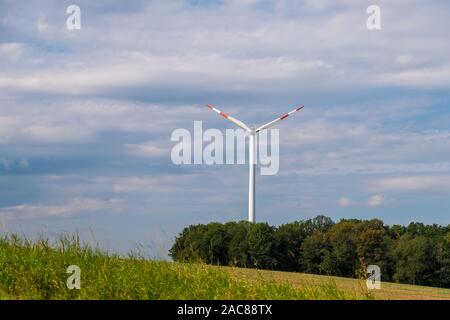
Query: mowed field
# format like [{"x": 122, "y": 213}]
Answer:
[
  {"x": 354, "y": 287},
  {"x": 38, "y": 270}
]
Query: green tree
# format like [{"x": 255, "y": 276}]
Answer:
[
  {"x": 414, "y": 260},
  {"x": 442, "y": 276},
  {"x": 318, "y": 224},
  {"x": 238, "y": 251},
  {"x": 416, "y": 254},
  {"x": 289, "y": 238},
  {"x": 261, "y": 245},
  {"x": 206, "y": 243},
  {"x": 189, "y": 245},
  {"x": 373, "y": 247},
  {"x": 316, "y": 254},
  {"x": 215, "y": 244},
  {"x": 342, "y": 239}
]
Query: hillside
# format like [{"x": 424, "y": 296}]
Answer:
[
  {"x": 416, "y": 254},
  {"x": 355, "y": 287},
  {"x": 37, "y": 270}
]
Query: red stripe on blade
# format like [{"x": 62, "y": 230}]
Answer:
[
  {"x": 209, "y": 106},
  {"x": 284, "y": 116},
  {"x": 223, "y": 114},
  {"x": 300, "y": 108}
]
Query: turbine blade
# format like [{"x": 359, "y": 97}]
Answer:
[
  {"x": 282, "y": 117},
  {"x": 227, "y": 116}
]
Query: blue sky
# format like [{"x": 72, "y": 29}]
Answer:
[{"x": 86, "y": 115}]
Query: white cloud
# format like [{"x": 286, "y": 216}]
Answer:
[
  {"x": 236, "y": 47},
  {"x": 345, "y": 202},
  {"x": 81, "y": 120},
  {"x": 376, "y": 200},
  {"x": 11, "y": 50},
  {"x": 49, "y": 133},
  {"x": 435, "y": 77},
  {"x": 41, "y": 25},
  {"x": 73, "y": 207},
  {"x": 316, "y": 50},
  {"x": 413, "y": 183},
  {"x": 211, "y": 72},
  {"x": 165, "y": 183},
  {"x": 353, "y": 143},
  {"x": 149, "y": 149}
]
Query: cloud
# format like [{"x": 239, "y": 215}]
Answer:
[
  {"x": 336, "y": 145},
  {"x": 11, "y": 50},
  {"x": 212, "y": 72},
  {"x": 61, "y": 121},
  {"x": 57, "y": 133},
  {"x": 149, "y": 149},
  {"x": 345, "y": 202},
  {"x": 94, "y": 109},
  {"x": 228, "y": 47},
  {"x": 157, "y": 184},
  {"x": 6, "y": 163},
  {"x": 74, "y": 207},
  {"x": 376, "y": 200},
  {"x": 413, "y": 183},
  {"x": 10, "y": 164},
  {"x": 437, "y": 77}
]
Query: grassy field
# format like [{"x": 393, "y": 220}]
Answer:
[
  {"x": 37, "y": 270},
  {"x": 354, "y": 287}
]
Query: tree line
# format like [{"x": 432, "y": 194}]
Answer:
[{"x": 414, "y": 254}]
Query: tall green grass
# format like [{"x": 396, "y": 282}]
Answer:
[{"x": 37, "y": 270}]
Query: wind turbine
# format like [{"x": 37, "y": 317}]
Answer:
[{"x": 252, "y": 132}]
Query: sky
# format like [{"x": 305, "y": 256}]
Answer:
[{"x": 86, "y": 115}]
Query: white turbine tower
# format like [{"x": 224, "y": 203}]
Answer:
[{"x": 252, "y": 152}]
